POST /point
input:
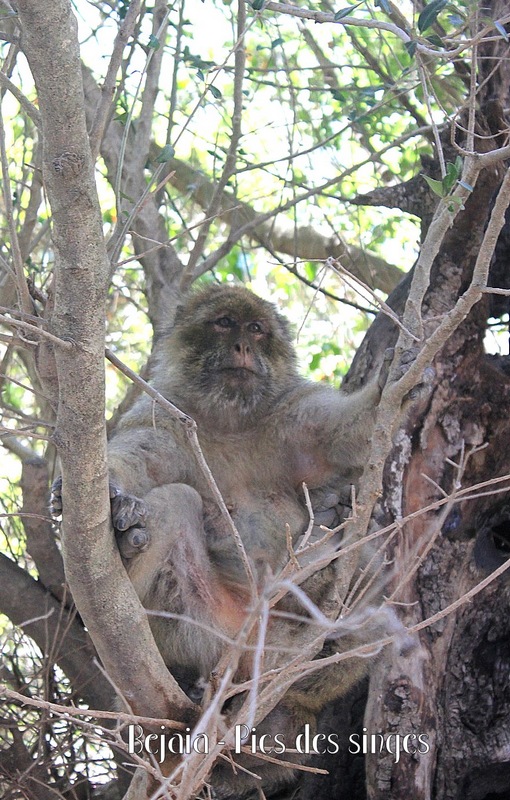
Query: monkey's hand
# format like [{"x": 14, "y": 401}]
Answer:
[
  {"x": 422, "y": 389},
  {"x": 128, "y": 517},
  {"x": 330, "y": 506},
  {"x": 56, "y": 497}
]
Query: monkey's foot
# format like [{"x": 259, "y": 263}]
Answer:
[
  {"x": 128, "y": 511},
  {"x": 128, "y": 517},
  {"x": 132, "y": 542}
]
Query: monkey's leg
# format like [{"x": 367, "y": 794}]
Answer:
[{"x": 191, "y": 610}]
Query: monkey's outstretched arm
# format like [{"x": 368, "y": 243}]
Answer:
[{"x": 337, "y": 428}]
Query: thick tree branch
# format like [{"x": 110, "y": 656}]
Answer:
[{"x": 112, "y": 611}]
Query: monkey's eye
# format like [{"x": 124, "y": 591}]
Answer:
[
  {"x": 225, "y": 322},
  {"x": 255, "y": 327}
]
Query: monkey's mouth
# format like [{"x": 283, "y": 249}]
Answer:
[{"x": 239, "y": 373}]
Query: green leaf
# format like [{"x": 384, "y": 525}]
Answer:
[
  {"x": 455, "y": 203},
  {"x": 410, "y": 47},
  {"x": 200, "y": 75},
  {"x": 499, "y": 27},
  {"x": 430, "y": 13},
  {"x": 166, "y": 154},
  {"x": 315, "y": 361},
  {"x": 435, "y": 40},
  {"x": 154, "y": 43},
  {"x": 436, "y": 186},
  {"x": 450, "y": 179},
  {"x": 123, "y": 8},
  {"x": 217, "y": 154},
  {"x": 257, "y": 5},
  {"x": 346, "y": 12},
  {"x": 215, "y": 92},
  {"x": 276, "y": 42}
]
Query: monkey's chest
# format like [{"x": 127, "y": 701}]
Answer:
[{"x": 267, "y": 464}]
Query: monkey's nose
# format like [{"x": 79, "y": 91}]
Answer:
[{"x": 242, "y": 348}]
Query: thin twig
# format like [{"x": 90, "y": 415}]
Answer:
[
  {"x": 230, "y": 161},
  {"x": 336, "y": 266},
  {"x": 24, "y": 102},
  {"x": 72, "y": 711},
  {"x": 126, "y": 29},
  {"x": 24, "y": 299},
  {"x": 37, "y": 331}
]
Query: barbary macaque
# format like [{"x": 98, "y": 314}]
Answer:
[{"x": 229, "y": 363}]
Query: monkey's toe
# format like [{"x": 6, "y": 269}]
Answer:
[{"x": 133, "y": 542}]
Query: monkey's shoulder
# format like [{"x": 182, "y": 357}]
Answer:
[{"x": 148, "y": 448}]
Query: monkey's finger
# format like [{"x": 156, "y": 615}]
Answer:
[
  {"x": 128, "y": 512},
  {"x": 328, "y": 518},
  {"x": 56, "y": 497},
  {"x": 115, "y": 489}
]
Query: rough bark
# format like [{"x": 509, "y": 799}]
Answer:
[{"x": 451, "y": 687}]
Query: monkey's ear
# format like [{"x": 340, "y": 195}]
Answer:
[
  {"x": 189, "y": 301},
  {"x": 183, "y": 309}
]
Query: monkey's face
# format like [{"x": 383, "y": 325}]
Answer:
[{"x": 236, "y": 350}]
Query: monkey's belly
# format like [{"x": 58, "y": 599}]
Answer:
[{"x": 262, "y": 522}]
